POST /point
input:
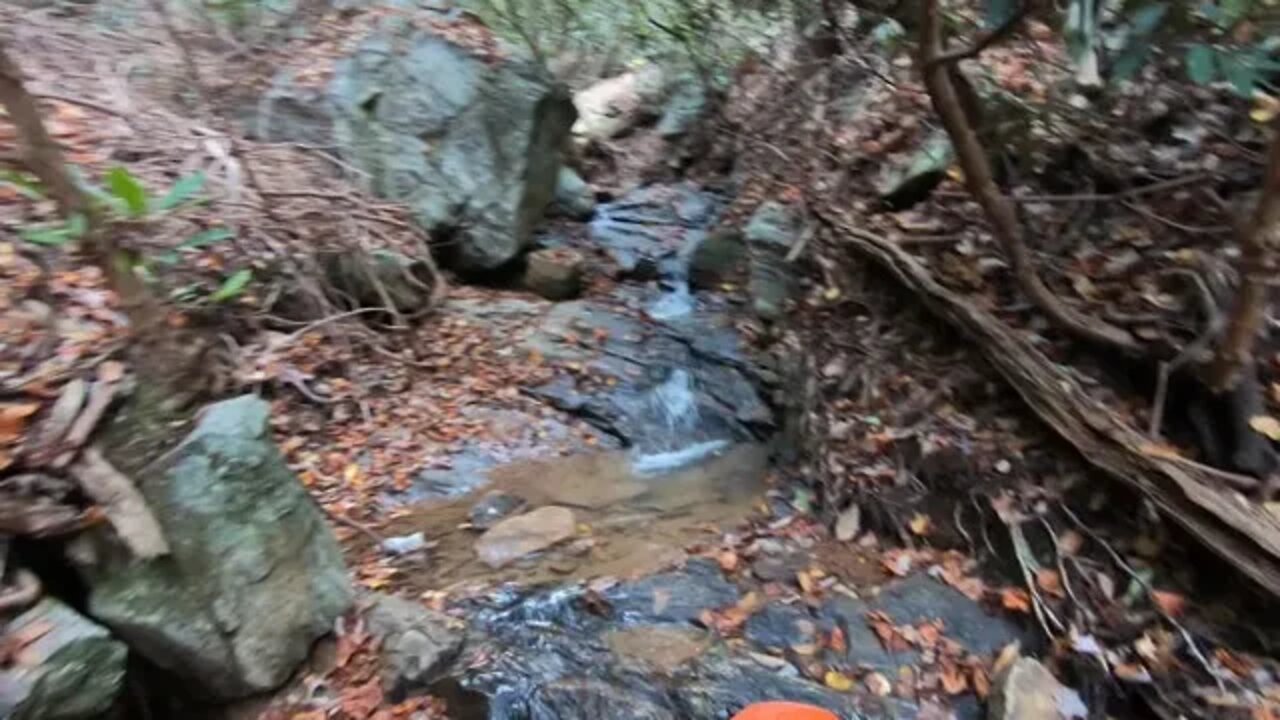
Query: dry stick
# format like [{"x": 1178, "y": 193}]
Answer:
[
  {"x": 1000, "y": 211},
  {"x": 1258, "y": 252},
  {"x": 1213, "y": 328},
  {"x": 1021, "y": 553},
  {"x": 1134, "y": 576}
]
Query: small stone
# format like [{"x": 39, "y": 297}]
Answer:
[
  {"x": 493, "y": 507},
  {"x": 574, "y": 198},
  {"x": 777, "y": 568},
  {"x": 405, "y": 544},
  {"x": 417, "y": 643},
  {"x": 849, "y": 523},
  {"x": 1004, "y": 467},
  {"x": 1026, "y": 690},
  {"x": 517, "y": 537},
  {"x": 555, "y": 274}
]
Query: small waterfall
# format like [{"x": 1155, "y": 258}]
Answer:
[{"x": 673, "y": 405}]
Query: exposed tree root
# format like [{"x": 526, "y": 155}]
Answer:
[{"x": 1241, "y": 532}]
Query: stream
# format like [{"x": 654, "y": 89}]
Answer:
[{"x": 609, "y": 622}]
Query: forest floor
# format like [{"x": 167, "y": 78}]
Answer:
[{"x": 922, "y": 462}]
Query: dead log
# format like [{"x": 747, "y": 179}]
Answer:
[{"x": 1242, "y": 532}]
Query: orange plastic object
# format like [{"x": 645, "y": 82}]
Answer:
[{"x": 784, "y": 711}]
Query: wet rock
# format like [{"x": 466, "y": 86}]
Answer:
[
  {"x": 70, "y": 669},
  {"x": 778, "y": 567},
  {"x": 416, "y": 643},
  {"x": 555, "y": 274},
  {"x": 678, "y": 596},
  {"x": 648, "y": 227},
  {"x": 471, "y": 143},
  {"x": 661, "y": 648},
  {"x": 716, "y": 258},
  {"x": 585, "y": 698},
  {"x": 770, "y": 233},
  {"x": 515, "y": 537},
  {"x": 491, "y": 508},
  {"x": 1026, "y": 690},
  {"x": 574, "y": 198},
  {"x": 905, "y": 183},
  {"x": 912, "y": 601},
  {"x": 781, "y": 626},
  {"x": 254, "y": 575}
]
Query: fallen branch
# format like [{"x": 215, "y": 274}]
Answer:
[
  {"x": 123, "y": 505},
  {"x": 1241, "y": 532}
]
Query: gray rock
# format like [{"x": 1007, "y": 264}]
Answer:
[
  {"x": 585, "y": 698},
  {"x": 770, "y": 233},
  {"x": 613, "y": 106},
  {"x": 491, "y": 508},
  {"x": 1026, "y": 690},
  {"x": 254, "y": 576},
  {"x": 678, "y": 596},
  {"x": 417, "y": 643},
  {"x": 574, "y": 198},
  {"x": 402, "y": 281},
  {"x": 684, "y": 109},
  {"x": 470, "y": 143},
  {"x": 716, "y": 258},
  {"x": 781, "y": 626},
  {"x": 555, "y": 274},
  {"x": 904, "y": 183},
  {"x": 72, "y": 669}
]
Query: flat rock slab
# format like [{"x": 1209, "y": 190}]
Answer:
[{"x": 516, "y": 537}]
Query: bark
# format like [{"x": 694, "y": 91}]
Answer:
[
  {"x": 1195, "y": 496},
  {"x": 1259, "y": 249},
  {"x": 999, "y": 210}
]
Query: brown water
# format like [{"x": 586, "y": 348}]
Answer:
[{"x": 628, "y": 524}]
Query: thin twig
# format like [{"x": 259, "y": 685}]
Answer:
[{"x": 1192, "y": 646}]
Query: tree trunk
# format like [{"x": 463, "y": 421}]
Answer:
[
  {"x": 1259, "y": 248},
  {"x": 937, "y": 68}
]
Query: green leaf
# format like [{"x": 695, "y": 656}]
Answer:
[
  {"x": 1200, "y": 65},
  {"x": 49, "y": 236},
  {"x": 77, "y": 225},
  {"x": 182, "y": 191},
  {"x": 1147, "y": 18},
  {"x": 26, "y": 185},
  {"x": 1131, "y": 60},
  {"x": 232, "y": 286},
  {"x": 206, "y": 238},
  {"x": 126, "y": 187},
  {"x": 1241, "y": 73}
]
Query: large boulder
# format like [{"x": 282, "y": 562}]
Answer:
[
  {"x": 432, "y": 112},
  {"x": 254, "y": 575},
  {"x": 69, "y": 668},
  {"x": 770, "y": 234}
]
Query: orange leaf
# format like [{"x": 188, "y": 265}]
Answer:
[
  {"x": 838, "y": 642},
  {"x": 1070, "y": 542},
  {"x": 1048, "y": 580},
  {"x": 981, "y": 682},
  {"x": 1170, "y": 603},
  {"x": 1015, "y": 599},
  {"x": 953, "y": 681},
  {"x": 13, "y": 419},
  {"x": 728, "y": 560}
]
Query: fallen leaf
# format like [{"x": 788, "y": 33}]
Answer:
[
  {"x": 350, "y": 643},
  {"x": 361, "y": 701},
  {"x": 13, "y": 419},
  {"x": 981, "y": 682},
  {"x": 953, "y": 680},
  {"x": 878, "y": 684},
  {"x": 1170, "y": 603},
  {"x": 1266, "y": 425},
  {"x": 728, "y": 560},
  {"x": 1070, "y": 542},
  {"x": 111, "y": 371},
  {"x": 1015, "y": 599},
  {"x": 849, "y": 523},
  {"x": 1048, "y": 580},
  {"x": 920, "y": 524},
  {"x": 838, "y": 681},
  {"x": 897, "y": 562},
  {"x": 837, "y": 642}
]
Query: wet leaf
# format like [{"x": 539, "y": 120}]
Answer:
[
  {"x": 362, "y": 701},
  {"x": 837, "y": 641},
  {"x": 954, "y": 681},
  {"x": 838, "y": 681},
  {"x": 728, "y": 560}
]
